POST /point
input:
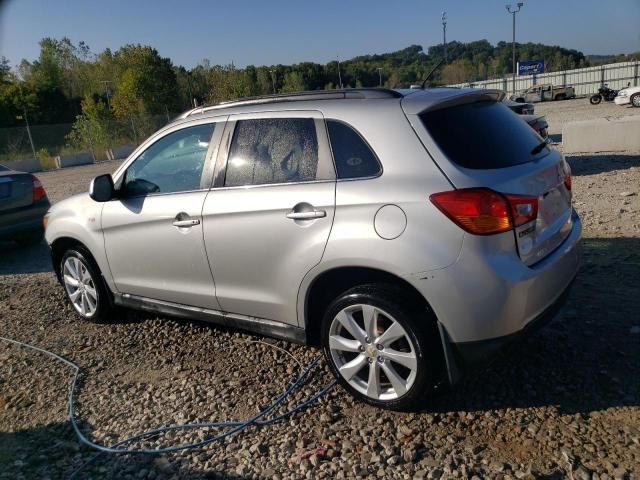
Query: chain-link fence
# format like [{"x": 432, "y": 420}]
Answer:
[{"x": 41, "y": 146}]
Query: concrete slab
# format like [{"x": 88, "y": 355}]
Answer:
[
  {"x": 602, "y": 135},
  {"x": 83, "y": 158},
  {"x": 28, "y": 165}
]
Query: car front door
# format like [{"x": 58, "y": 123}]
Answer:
[
  {"x": 534, "y": 95},
  {"x": 268, "y": 217},
  {"x": 153, "y": 230}
]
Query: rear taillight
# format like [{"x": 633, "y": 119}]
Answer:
[
  {"x": 566, "y": 168},
  {"x": 38, "y": 189},
  {"x": 523, "y": 208},
  {"x": 484, "y": 212}
]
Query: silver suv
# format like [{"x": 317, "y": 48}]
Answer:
[{"x": 410, "y": 233}]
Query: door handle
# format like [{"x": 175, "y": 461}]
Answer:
[
  {"x": 307, "y": 215},
  {"x": 186, "y": 223}
]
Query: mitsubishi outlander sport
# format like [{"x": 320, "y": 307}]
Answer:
[{"x": 408, "y": 233}]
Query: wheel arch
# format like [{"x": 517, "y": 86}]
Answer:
[{"x": 329, "y": 284}]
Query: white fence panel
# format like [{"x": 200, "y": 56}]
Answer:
[{"x": 585, "y": 81}]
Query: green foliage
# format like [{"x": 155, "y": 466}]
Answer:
[
  {"x": 91, "y": 130},
  {"x": 47, "y": 162},
  {"x": 134, "y": 86}
]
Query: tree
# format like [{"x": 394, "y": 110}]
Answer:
[{"x": 293, "y": 82}]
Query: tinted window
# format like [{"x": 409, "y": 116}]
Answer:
[
  {"x": 3, "y": 168},
  {"x": 354, "y": 159},
  {"x": 172, "y": 164},
  {"x": 482, "y": 135},
  {"x": 274, "y": 150}
]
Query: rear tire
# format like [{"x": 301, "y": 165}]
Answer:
[
  {"x": 562, "y": 96},
  {"x": 595, "y": 99},
  {"x": 382, "y": 348},
  {"x": 84, "y": 285},
  {"x": 635, "y": 100}
]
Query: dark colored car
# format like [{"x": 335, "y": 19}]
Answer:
[
  {"x": 518, "y": 107},
  {"x": 538, "y": 123},
  {"x": 23, "y": 204}
]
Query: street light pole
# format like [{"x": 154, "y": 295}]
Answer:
[
  {"x": 380, "y": 77},
  {"x": 339, "y": 75},
  {"x": 273, "y": 82},
  {"x": 444, "y": 34},
  {"x": 513, "y": 40}
]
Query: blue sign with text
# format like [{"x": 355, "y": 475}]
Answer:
[{"x": 530, "y": 67}]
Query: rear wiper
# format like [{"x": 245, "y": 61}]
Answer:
[{"x": 539, "y": 148}]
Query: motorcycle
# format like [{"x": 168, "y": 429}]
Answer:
[{"x": 604, "y": 93}]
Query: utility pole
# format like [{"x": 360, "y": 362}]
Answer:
[
  {"x": 107, "y": 91},
  {"x": 513, "y": 41},
  {"x": 379, "y": 77},
  {"x": 339, "y": 75},
  {"x": 444, "y": 34},
  {"x": 273, "y": 82},
  {"x": 192, "y": 101},
  {"x": 26, "y": 121}
]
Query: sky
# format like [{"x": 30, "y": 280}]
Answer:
[{"x": 252, "y": 32}]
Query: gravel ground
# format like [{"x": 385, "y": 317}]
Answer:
[{"x": 565, "y": 404}]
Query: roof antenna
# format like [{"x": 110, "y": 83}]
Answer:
[{"x": 431, "y": 73}]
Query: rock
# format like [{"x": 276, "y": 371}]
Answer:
[
  {"x": 393, "y": 460},
  {"x": 627, "y": 194},
  {"x": 435, "y": 473}
]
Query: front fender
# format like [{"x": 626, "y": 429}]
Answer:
[{"x": 79, "y": 218}]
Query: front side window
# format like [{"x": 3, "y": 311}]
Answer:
[
  {"x": 172, "y": 164},
  {"x": 353, "y": 157},
  {"x": 272, "y": 150}
]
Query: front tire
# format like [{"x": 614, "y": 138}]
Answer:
[
  {"x": 595, "y": 99},
  {"x": 84, "y": 285},
  {"x": 381, "y": 347},
  {"x": 635, "y": 100}
]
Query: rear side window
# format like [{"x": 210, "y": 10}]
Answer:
[
  {"x": 483, "y": 135},
  {"x": 273, "y": 150},
  {"x": 353, "y": 157}
]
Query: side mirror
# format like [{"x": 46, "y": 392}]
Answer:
[{"x": 101, "y": 188}]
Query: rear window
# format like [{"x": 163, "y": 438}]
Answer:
[{"x": 483, "y": 135}]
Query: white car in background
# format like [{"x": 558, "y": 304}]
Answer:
[{"x": 629, "y": 95}]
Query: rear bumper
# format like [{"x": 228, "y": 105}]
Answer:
[
  {"x": 475, "y": 354},
  {"x": 489, "y": 293},
  {"x": 23, "y": 221}
]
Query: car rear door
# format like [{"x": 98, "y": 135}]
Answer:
[
  {"x": 153, "y": 230},
  {"x": 267, "y": 219}
]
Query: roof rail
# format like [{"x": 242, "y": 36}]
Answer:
[{"x": 346, "y": 93}]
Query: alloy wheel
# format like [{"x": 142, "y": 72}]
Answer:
[
  {"x": 373, "y": 352},
  {"x": 80, "y": 286}
]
